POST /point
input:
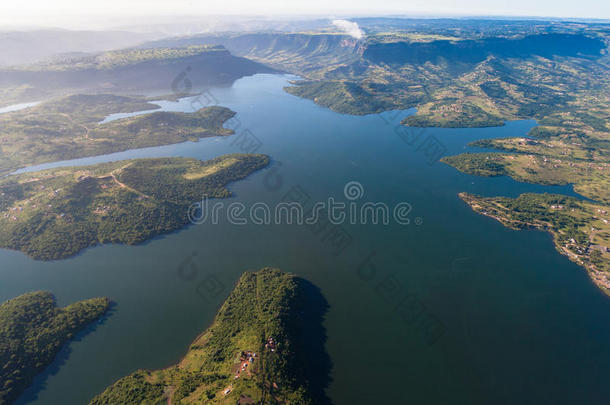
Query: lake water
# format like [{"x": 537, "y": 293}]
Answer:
[
  {"x": 521, "y": 323},
  {"x": 17, "y": 107}
]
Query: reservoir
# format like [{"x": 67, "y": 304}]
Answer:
[{"x": 514, "y": 321}]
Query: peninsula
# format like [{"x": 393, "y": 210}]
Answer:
[
  {"x": 56, "y": 213},
  {"x": 580, "y": 229},
  {"x": 260, "y": 349},
  {"x": 70, "y": 128},
  {"x": 32, "y": 331}
]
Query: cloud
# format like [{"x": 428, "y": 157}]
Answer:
[{"x": 350, "y": 27}]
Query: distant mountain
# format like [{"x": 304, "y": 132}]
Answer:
[
  {"x": 20, "y": 47},
  {"x": 338, "y": 56},
  {"x": 293, "y": 52},
  {"x": 475, "y": 51},
  {"x": 173, "y": 69}
]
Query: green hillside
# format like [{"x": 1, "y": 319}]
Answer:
[
  {"x": 69, "y": 128},
  {"x": 259, "y": 350},
  {"x": 54, "y": 214},
  {"x": 32, "y": 331}
]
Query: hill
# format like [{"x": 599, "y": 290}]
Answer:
[
  {"x": 56, "y": 213},
  {"x": 126, "y": 71},
  {"x": 32, "y": 331},
  {"x": 264, "y": 347},
  {"x": 70, "y": 127},
  {"x": 21, "y": 47},
  {"x": 458, "y": 73}
]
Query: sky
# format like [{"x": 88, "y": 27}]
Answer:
[{"x": 80, "y": 13}]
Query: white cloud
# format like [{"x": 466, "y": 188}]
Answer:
[{"x": 350, "y": 27}]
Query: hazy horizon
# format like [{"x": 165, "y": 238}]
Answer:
[{"x": 115, "y": 14}]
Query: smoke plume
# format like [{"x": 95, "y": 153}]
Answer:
[{"x": 349, "y": 27}]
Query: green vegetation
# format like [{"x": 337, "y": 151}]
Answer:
[
  {"x": 133, "y": 389},
  {"x": 453, "y": 113},
  {"x": 478, "y": 164},
  {"x": 54, "y": 214},
  {"x": 550, "y": 146},
  {"x": 399, "y": 36},
  {"x": 343, "y": 96},
  {"x": 86, "y": 108},
  {"x": 126, "y": 71},
  {"x": 568, "y": 95},
  {"x": 580, "y": 229},
  {"x": 590, "y": 178},
  {"x": 69, "y": 128},
  {"x": 454, "y": 73},
  {"x": 123, "y": 57},
  {"x": 254, "y": 353},
  {"x": 10, "y": 95},
  {"x": 32, "y": 331},
  {"x": 453, "y": 80}
]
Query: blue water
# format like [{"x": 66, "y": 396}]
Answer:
[
  {"x": 17, "y": 107},
  {"x": 518, "y": 322}
]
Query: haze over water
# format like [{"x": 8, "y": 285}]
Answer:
[{"x": 519, "y": 319}]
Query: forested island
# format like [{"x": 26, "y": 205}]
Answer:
[
  {"x": 56, "y": 213},
  {"x": 32, "y": 331},
  {"x": 69, "y": 128},
  {"x": 264, "y": 347},
  {"x": 580, "y": 229}
]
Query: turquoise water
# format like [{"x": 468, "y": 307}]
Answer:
[{"x": 518, "y": 322}]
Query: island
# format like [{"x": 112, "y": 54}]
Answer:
[
  {"x": 56, "y": 213},
  {"x": 70, "y": 127},
  {"x": 32, "y": 331},
  {"x": 264, "y": 347},
  {"x": 580, "y": 229}
]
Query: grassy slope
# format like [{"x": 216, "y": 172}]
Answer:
[
  {"x": 69, "y": 128},
  {"x": 340, "y": 96},
  {"x": 581, "y": 230},
  {"x": 264, "y": 304},
  {"x": 32, "y": 331},
  {"x": 56, "y": 213},
  {"x": 590, "y": 178}
]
